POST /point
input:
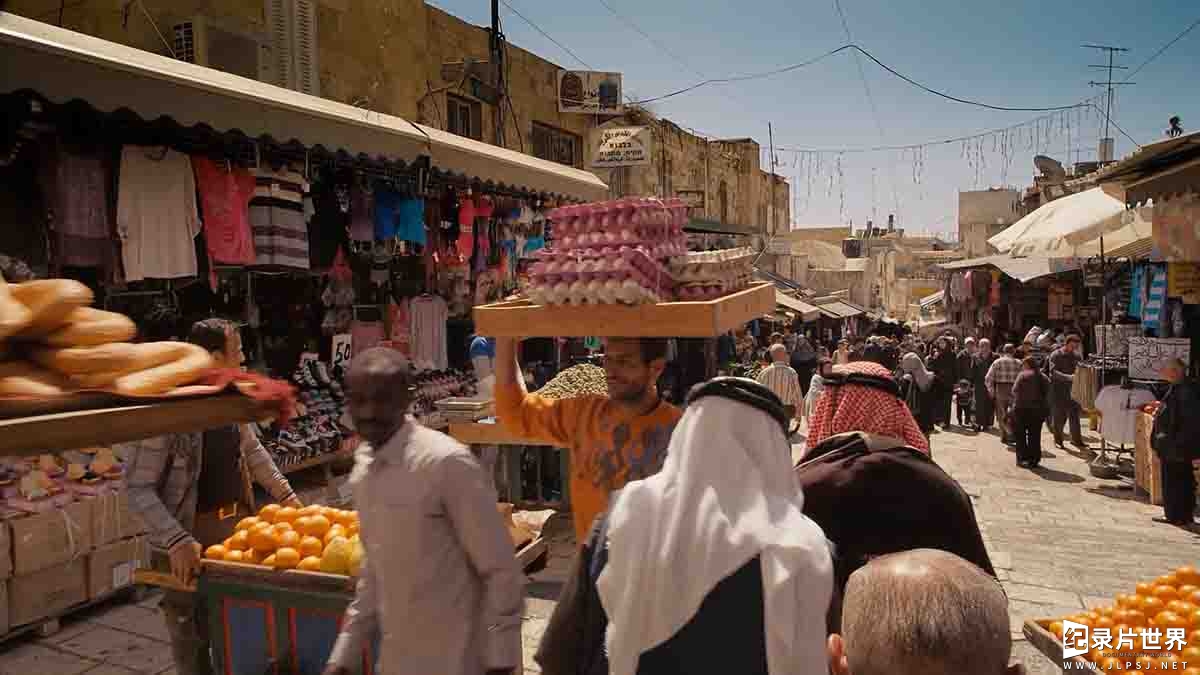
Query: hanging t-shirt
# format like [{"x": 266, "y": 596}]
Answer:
[
  {"x": 466, "y": 227},
  {"x": 328, "y": 226},
  {"x": 387, "y": 211},
  {"x": 277, "y": 218},
  {"x": 76, "y": 187},
  {"x": 1120, "y": 406},
  {"x": 157, "y": 215},
  {"x": 225, "y": 193},
  {"x": 428, "y": 315},
  {"x": 411, "y": 217}
]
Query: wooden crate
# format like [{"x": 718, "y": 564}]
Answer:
[
  {"x": 521, "y": 318},
  {"x": 1146, "y": 467}
]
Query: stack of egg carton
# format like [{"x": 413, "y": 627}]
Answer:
[
  {"x": 711, "y": 274},
  {"x": 611, "y": 252}
]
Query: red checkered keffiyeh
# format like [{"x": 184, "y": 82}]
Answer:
[{"x": 851, "y": 407}]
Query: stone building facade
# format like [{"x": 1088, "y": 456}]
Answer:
[{"x": 410, "y": 59}]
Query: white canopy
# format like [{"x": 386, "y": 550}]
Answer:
[
  {"x": 1069, "y": 226},
  {"x": 63, "y": 65}
]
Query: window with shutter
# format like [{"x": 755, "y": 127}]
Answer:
[
  {"x": 557, "y": 145},
  {"x": 304, "y": 46},
  {"x": 279, "y": 37},
  {"x": 464, "y": 117}
]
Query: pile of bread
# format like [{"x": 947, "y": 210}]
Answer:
[{"x": 53, "y": 342}]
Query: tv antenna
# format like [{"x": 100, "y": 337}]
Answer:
[{"x": 1110, "y": 92}]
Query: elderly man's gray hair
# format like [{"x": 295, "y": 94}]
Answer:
[
  {"x": 925, "y": 611},
  {"x": 779, "y": 353}
]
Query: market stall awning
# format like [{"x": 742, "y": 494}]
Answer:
[
  {"x": 806, "y": 311},
  {"x": 1142, "y": 249},
  {"x": 63, "y": 65},
  {"x": 1021, "y": 269},
  {"x": 933, "y": 299},
  {"x": 1159, "y": 170},
  {"x": 1056, "y": 228},
  {"x": 779, "y": 281},
  {"x": 839, "y": 310}
]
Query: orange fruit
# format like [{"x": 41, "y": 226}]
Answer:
[
  {"x": 1188, "y": 575},
  {"x": 1186, "y": 590},
  {"x": 289, "y": 539},
  {"x": 1166, "y": 593},
  {"x": 264, "y": 540},
  {"x": 1104, "y": 622},
  {"x": 1181, "y": 607},
  {"x": 253, "y": 557},
  {"x": 1194, "y": 623},
  {"x": 1127, "y": 601},
  {"x": 287, "y": 514},
  {"x": 233, "y": 556},
  {"x": 1056, "y": 628},
  {"x": 1135, "y": 617},
  {"x": 1134, "y": 672},
  {"x": 1190, "y": 654},
  {"x": 280, "y": 528},
  {"x": 287, "y": 559},
  {"x": 1168, "y": 619},
  {"x": 317, "y": 526},
  {"x": 246, "y": 523},
  {"x": 352, "y": 530},
  {"x": 301, "y": 524},
  {"x": 1144, "y": 588},
  {"x": 1194, "y": 598},
  {"x": 1168, "y": 579},
  {"x": 268, "y": 512},
  {"x": 310, "y": 564},
  {"x": 310, "y": 546},
  {"x": 1168, "y": 661},
  {"x": 335, "y": 531},
  {"x": 1190, "y": 670},
  {"x": 1151, "y": 606},
  {"x": 1104, "y": 611},
  {"x": 310, "y": 510},
  {"x": 269, "y": 561},
  {"x": 346, "y": 518},
  {"x": 240, "y": 541},
  {"x": 215, "y": 552},
  {"x": 1110, "y": 664}
]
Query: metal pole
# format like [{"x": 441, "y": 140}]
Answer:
[{"x": 496, "y": 47}]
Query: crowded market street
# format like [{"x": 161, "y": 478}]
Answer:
[{"x": 1060, "y": 539}]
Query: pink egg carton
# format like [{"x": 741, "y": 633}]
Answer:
[
  {"x": 610, "y": 292},
  {"x": 638, "y": 211}
]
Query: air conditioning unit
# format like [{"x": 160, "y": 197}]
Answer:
[{"x": 206, "y": 43}]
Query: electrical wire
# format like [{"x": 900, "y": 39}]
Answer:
[
  {"x": 1163, "y": 49},
  {"x": 657, "y": 45},
  {"x": 545, "y": 34}
]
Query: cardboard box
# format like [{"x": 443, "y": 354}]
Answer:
[
  {"x": 44, "y": 540},
  {"x": 111, "y": 567},
  {"x": 114, "y": 520},
  {"x": 44, "y": 594}
]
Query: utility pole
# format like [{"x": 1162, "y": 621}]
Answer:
[
  {"x": 1106, "y": 141},
  {"x": 771, "y": 174},
  {"x": 496, "y": 56}
]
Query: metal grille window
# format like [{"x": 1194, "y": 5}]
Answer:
[
  {"x": 557, "y": 145},
  {"x": 464, "y": 117}
]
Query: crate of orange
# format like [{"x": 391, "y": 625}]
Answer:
[
  {"x": 1168, "y": 607},
  {"x": 277, "y": 588}
]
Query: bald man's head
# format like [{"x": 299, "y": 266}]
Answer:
[
  {"x": 923, "y": 612},
  {"x": 379, "y": 392}
]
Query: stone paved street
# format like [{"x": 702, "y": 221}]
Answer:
[{"x": 1061, "y": 539}]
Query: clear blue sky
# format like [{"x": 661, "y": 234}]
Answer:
[{"x": 1020, "y": 53}]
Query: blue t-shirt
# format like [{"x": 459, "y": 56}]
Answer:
[
  {"x": 412, "y": 221},
  {"x": 387, "y": 208}
]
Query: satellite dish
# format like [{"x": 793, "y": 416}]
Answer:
[{"x": 1050, "y": 168}]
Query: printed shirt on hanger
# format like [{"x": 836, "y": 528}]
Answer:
[{"x": 225, "y": 193}]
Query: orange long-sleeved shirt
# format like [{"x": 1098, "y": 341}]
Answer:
[{"x": 609, "y": 447}]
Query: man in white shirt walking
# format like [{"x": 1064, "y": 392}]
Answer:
[{"x": 782, "y": 379}]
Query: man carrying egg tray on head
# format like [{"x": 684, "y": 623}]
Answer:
[
  {"x": 191, "y": 490},
  {"x": 612, "y": 439}
]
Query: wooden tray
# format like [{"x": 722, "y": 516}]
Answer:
[
  {"x": 477, "y": 433},
  {"x": 1037, "y": 631},
  {"x": 34, "y": 435},
  {"x": 521, "y": 318}
]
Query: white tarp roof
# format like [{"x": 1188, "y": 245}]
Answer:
[
  {"x": 62, "y": 65},
  {"x": 1059, "y": 226},
  {"x": 807, "y": 312}
]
